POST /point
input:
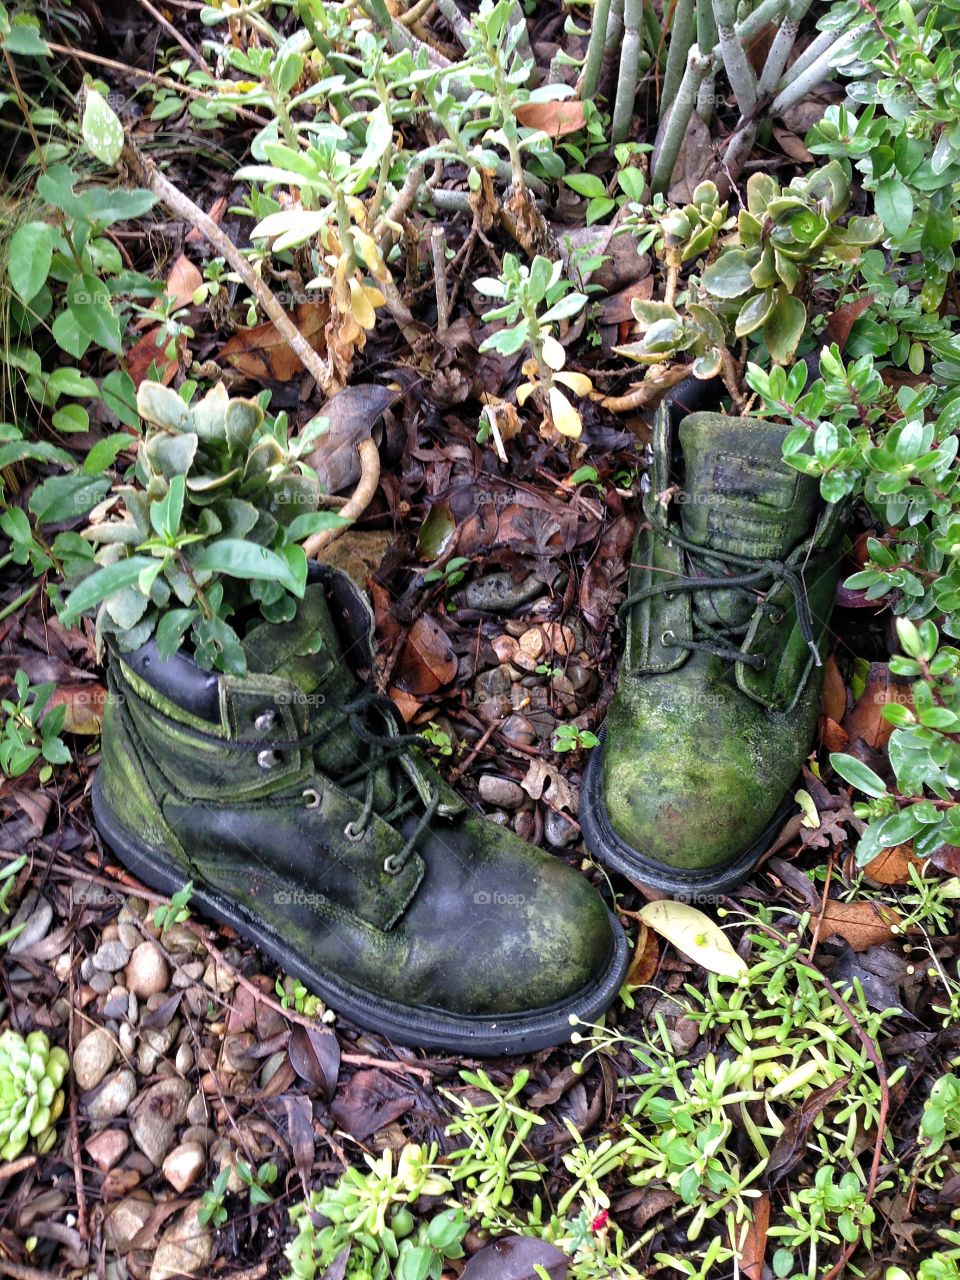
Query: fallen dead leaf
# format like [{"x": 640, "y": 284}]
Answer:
[
  {"x": 427, "y": 661},
  {"x": 892, "y": 866},
  {"x": 755, "y": 1242},
  {"x": 694, "y": 934},
  {"x": 792, "y": 146},
  {"x": 84, "y": 705},
  {"x": 862, "y": 924},
  {"x": 261, "y": 352},
  {"x": 554, "y": 118},
  {"x": 834, "y": 696},
  {"x": 544, "y": 781},
  {"x": 843, "y": 319},
  {"x": 646, "y": 958},
  {"x": 865, "y": 719}
]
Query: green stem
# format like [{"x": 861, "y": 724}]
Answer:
[
  {"x": 739, "y": 72},
  {"x": 590, "y": 77},
  {"x": 706, "y": 39},
  {"x": 698, "y": 66},
  {"x": 629, "y": 69},
  {"x": 681, "y": 40},
  {"x": 782, "y": 46}
]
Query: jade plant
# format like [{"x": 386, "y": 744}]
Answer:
[
  {"x": 205, "y": 532},
  {"x": 31, "y": 1097},
  {"x": 756, "y": 284}
]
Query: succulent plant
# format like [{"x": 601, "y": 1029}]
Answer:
[
  {"x": 754, "y": 287},
  {"x": 206, "y": 530},
  {"x": 31, "y": 1099}
]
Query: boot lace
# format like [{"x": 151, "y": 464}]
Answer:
[
  {"x": 385, "y": 748},
  {"x": 749, "y": 578}
]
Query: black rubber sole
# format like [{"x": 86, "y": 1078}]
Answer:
[
  {"x": 685, "y": 884},
  {"x": 418, "y": 1028}
]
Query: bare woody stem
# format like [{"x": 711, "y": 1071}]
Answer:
[{"x": 149, "y": 176}]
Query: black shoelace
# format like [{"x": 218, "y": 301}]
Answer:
[{"x": 755, "y": 578}]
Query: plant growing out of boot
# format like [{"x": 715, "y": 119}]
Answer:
[
  {"x": 207, "y": 531},
  {"x": 249, "y": 762},
  {"x": 754, "y": 287}
]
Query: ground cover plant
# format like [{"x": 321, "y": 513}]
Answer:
[{"x": 400, "y": 286}]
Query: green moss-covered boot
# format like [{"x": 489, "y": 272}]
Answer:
[
  {"x": 730, "y": 592},
  {"x": 308, "y": 822}
]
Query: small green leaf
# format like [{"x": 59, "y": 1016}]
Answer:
[
  {"x": 729, "y": 276},
  {"x": 241, "y": 559},
  {"x": 894, "y": 204},
  {"x": 858, "y": 774},
  {"x": 100, "y": 584},
  {"x": 102, "y": 130},
  {"x": 30, "y": 255}
]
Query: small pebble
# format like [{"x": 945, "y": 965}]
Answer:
[
  {"x": 117, "y": 1004},
  {"x": 184, "y": 1249},
  {"x": 125, "y": 1220},
  {"x": 558, "y": 830},
  {"x": 502, "y": 792},
  {"x": 147, "y": 971},
  {"x": 184, "y": 1165},
  {"x": 107, "y": 1148},
  {"x": 93, "y": 1057},
  {"x": 116, "y": 1094},
  {"x": 110, "y": 956}
]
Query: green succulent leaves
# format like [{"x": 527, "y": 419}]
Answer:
[
  {"x": 209, "y": 526},
  {"x": 31, "y": 1097},
  {"x": 752, "y": 287}
]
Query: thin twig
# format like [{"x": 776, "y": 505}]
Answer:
[
  {"x": 151, "y": 76},
  {"x": 149, "y": 176},
  {"x": 181, "y": 39},
  {"x": 438, "y": 247}
]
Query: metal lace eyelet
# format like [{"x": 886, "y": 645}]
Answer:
[
  {"x": 776, "y": 616},
  {"x": 267, "y": 759},
  {"x": 351, "y": 832},
  {"x": 312, "y": 798},
  {"x": 665, "y": 642},
  {"x": 392, "y": 866},
  {"x": 761, "y": 662},
  {"x": 669, "y": 595},
  {"x": 265, "y": 720}
]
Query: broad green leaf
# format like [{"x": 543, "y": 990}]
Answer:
[
  {"x": 102, "y": 130},
  {"x": 311, "y": 522},
  {"x": 88, "y": 300},
  {"x": 696, "y": 935},
  {"x": 729, "y": 276},
  {"x": 100, "y": 584},
  {"x": 62, "y": 498},
  {"x": 858, "y": 774},
  {"x": 241, "y": 559},
  {"x": 784, "y": 328},
  {"x": 586, "y": 184},
  {"x": 30, "y": 255},
  {"x": 894, "y": 204}
]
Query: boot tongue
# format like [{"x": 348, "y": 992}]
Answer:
[
  {"x": 307, "y": 651},
  {"x": 741, "y": 498}
]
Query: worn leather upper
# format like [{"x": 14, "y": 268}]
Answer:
[{"x": 718, "y": 694}]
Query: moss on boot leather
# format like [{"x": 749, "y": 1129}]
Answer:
[
  {"x": 306, "y": 820},
  {"x": 730, "y": 592}
]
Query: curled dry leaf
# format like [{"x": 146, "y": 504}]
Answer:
[
  {"x": 696, "y": 935},
  {"x": 553, "y": 118},
  {"x": 84, "y": 705},
  {"x": 862, "y": 924},
  {"x": 427, "y": 661},
  {"x": 261, "y": 352},
  {"x": 543, "y": 781}
]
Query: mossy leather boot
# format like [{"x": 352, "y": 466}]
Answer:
[
  {"x": 307, "y": 821},
  {"x": 730, "y": 592}
]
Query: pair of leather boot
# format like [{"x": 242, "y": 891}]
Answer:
[{"x": 308, "y": 821}]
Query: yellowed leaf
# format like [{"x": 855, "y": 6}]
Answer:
[
  {"x": 553, "y": 353},
  {"x": 578, "y": 383},
  {"x": 566, "y": 418},
  {"x": 696, "y": 935}
]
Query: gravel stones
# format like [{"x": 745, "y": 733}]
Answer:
[
  {"x": 157, "y": 1113},
  {"x": 116, "y": 1094},
  {"x": 93, "y": 1058},
  {"x": 147, "y": 972}
]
